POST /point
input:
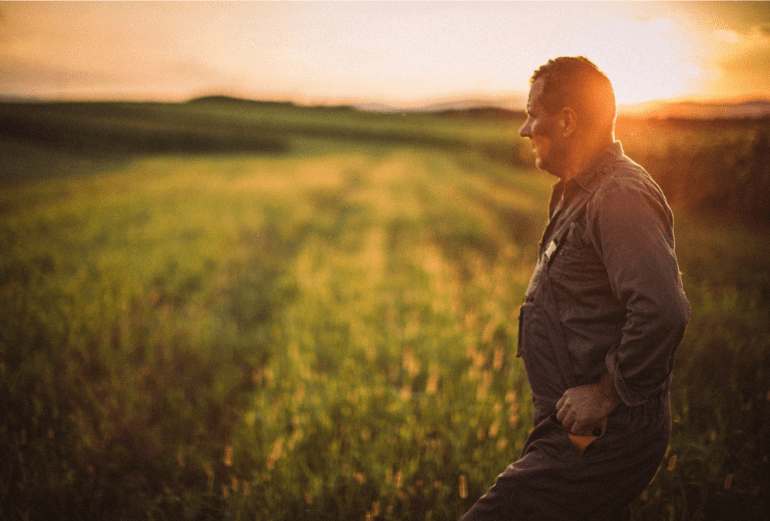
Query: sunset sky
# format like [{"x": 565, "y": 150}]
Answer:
[{"x": 398, "y": 53}]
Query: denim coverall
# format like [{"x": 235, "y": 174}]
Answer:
[{"x": 606, "y": 296}]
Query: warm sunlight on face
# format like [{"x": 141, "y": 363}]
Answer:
[{"x": 645, "y": 60}]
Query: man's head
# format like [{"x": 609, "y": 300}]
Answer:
[
  {"x": 571, "y": 112},
  {"x": 577, "y": 83}
]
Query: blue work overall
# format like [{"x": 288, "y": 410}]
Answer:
[{"x": 558, "y": 478}]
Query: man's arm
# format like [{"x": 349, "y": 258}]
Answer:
[{"x": 632, "y": 229}]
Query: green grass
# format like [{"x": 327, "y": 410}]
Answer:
[{"x": 324, "y": 332}]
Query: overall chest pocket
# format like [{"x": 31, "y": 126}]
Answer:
[{"x": 576, "y": 262}]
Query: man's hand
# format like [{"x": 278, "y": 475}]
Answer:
[{"x": 581, "y": 408}]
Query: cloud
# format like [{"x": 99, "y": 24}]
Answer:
[
  {"x": 741, "y": 60},
  {"x": 724, "y": 35}
]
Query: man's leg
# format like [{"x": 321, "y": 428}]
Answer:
[
  {"x": 533, "y": 488},
  {"x": 553, "y": 482}
]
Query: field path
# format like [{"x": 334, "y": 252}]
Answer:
[{"x": 335, "y": 331}]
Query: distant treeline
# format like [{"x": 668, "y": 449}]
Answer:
[
  {"x": 719, "y": 165},
  {"x": 210, "y": 125},
  {"x": 89, "y": 128}
]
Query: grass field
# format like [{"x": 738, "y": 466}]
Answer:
[{"x": 317, "y": 320}]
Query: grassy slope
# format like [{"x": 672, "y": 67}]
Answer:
[
  {"x": 71, "y": 134},
  {"x": 323, "y": 333}
]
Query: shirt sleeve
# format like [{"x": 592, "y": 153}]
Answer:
[{"x": 632, "y": 228}]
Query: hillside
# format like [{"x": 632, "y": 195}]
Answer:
[{"x": 698, "y": 110}]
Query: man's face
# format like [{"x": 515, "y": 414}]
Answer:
[{"x": 545, "y": 132}]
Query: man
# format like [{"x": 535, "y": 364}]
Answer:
[{"x": 603, "y": 315}]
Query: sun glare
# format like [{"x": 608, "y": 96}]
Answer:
[
  {"x": 379, "y": 52},
  {"x": 644, "y": 59}
]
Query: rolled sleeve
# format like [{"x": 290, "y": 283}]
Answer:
[{"x": 633, "y": 231}]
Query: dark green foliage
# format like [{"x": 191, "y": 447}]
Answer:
[
  {"x": 127, "y": 129},
  {"x": 712, "y": 167},
  {"x": 717, "y": 466}
]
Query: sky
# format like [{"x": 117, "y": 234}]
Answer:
[{"x": 395, "y": 53}]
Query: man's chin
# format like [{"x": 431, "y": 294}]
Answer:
[{"x": 544, "y": 167}]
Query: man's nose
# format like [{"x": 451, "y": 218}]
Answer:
[{"x": 524, "y": 130}]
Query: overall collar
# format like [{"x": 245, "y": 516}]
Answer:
[
  {"x": 586, "y": 178},
  {"x": 593, "y": 171}
]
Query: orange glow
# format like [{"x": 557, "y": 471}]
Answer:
[
  {"x": 645, "y": 60},
  {"x": 398, "y": 53}
]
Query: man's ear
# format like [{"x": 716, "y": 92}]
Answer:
[{"x": 568, "y": 120}]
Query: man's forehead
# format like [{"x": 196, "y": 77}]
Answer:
[{"x": 535, "y": 91}]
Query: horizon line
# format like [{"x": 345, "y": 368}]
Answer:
[{"x": 513, "y": 102}]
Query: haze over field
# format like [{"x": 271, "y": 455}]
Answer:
[{"x": 393, "y": 53}]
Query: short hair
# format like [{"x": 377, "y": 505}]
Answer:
[{"x": 576, "y": 82}]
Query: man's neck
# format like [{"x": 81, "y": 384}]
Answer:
[{"x": 581, "y": 154}]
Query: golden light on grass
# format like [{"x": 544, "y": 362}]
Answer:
[
  {"x": 463, "y": 486},
  {"x": 493, "y": 429},
  {"x": 483, "y": 388},
  {"x": 228, "y": 459},
  {"x": 398, "y": 479},
  {"x": 497, "y": 364},
  {"x": 433, "y": 378},
  {"x": 405, "y": 393},
  {"x": 410, "y": 363},
  {"x": 275, "y": 453}
]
